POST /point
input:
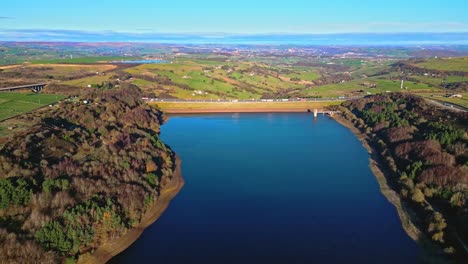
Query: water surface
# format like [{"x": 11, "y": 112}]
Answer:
[{"x": 272, "y": 188}]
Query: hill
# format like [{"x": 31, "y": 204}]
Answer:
[
  {"x": 423, "y": 152},
  {"x": 84, "y": 174}
]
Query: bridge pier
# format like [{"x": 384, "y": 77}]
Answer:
[{"x": 37, "y": 88}]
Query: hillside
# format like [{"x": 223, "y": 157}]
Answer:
[
  {"x": 256, "y": 73},
  {"x": 85, "y": 173},
  {"x": 423, "y": 152}
]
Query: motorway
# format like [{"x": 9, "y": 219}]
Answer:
[
  {"x": 445, "y": 105},
  {"x": 334, "y": 99},
  {"x": 37, "y": 87}
]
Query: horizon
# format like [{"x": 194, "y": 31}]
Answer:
[
  {"x": 242, "y": 17},
  {"x": 220, "y": 38}
]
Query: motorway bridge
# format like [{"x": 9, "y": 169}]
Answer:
[{"x": 34, "y": 87}]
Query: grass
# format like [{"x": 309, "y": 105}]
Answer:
[
  {"x": 306, "y": 75},
  {"x": 191, "y": 74},
  {"x": 228, "y": 82},
  {"x": 450, "y": 64},
  {"x": 353, "y": 87},
  {"x": 57, "y": 71},
  {"x": 236, "y": 79},
  {"x": 92, "y": 80},
  {"x": 218, "y": 82},
  {"x": 458, "y": 101},
  {"x": 13, "y": 104},
  {"x": 463, "y": 102}
]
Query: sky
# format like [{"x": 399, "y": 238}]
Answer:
[{"x": 237, "y": 16}]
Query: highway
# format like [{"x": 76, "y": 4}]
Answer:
[
  {"x": 333, "y": 99},
  {"x": 445, "y": 105},
  {"x": 36, "y": 87}
]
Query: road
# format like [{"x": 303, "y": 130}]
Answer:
[
  {"x": 37, "y": 87},
  {"x": 447, "y": 106},
  {"x": 334, "y": 99}
]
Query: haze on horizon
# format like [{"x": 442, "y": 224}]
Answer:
[{"x": 235, "y": 17}]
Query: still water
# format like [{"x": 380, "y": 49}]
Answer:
[{"x": 272, "y": 188}]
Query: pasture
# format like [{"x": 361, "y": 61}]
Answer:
[{"x": 13, "y": 104}]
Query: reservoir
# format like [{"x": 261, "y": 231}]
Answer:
[{"x": 272, "y": 188}]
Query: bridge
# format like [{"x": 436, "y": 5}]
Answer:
[{"x": 34, "y": 87}]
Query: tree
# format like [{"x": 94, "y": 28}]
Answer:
[
  {"x": 417, "y": 195},
  {"x": 52, "y": 236}
]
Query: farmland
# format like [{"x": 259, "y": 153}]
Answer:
[
  {"x": 12, "y": 104},
  {"x": 446, "y": 64},
  {"x": 48, "y": 73},
  {"x": 254, "y": 73}
]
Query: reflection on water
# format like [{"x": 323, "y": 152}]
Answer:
[{"x": 272, "y": 188}]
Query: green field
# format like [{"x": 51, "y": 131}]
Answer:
[
  {"x": 92, "y": 80},
  {"x": 451, "y": 64},
  {"x": 12, "y": 104},
  {"x": 218, "y": 79},
  {"x": 211, "y": 76},
  {"x": 463, "y": 102},
  {"x": 355, "y": 87}
]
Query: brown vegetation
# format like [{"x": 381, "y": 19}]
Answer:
[
  {"x": 83, "y": 175},
  {"x": 424, "y": 152}
]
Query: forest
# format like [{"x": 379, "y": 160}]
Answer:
[
  {"x": 423, "y": 152},
  {"x": 86, "y": 173}
]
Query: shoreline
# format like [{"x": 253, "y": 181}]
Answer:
[
  {"x": 429, "y": 251},
  {"x": 404, "y": 213},
  {"x": 114, "y": 247}
]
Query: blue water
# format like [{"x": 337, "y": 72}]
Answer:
[{"x": 272, "y": 188}]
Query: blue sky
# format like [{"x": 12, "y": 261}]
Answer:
[{"x": 237, "y": 16}]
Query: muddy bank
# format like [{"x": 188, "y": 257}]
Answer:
[{"x": 112, "y": 248}]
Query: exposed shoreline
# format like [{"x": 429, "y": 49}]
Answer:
[
  {"x": 405, "y": 214},
  {"x": 112, "y": 248}
]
